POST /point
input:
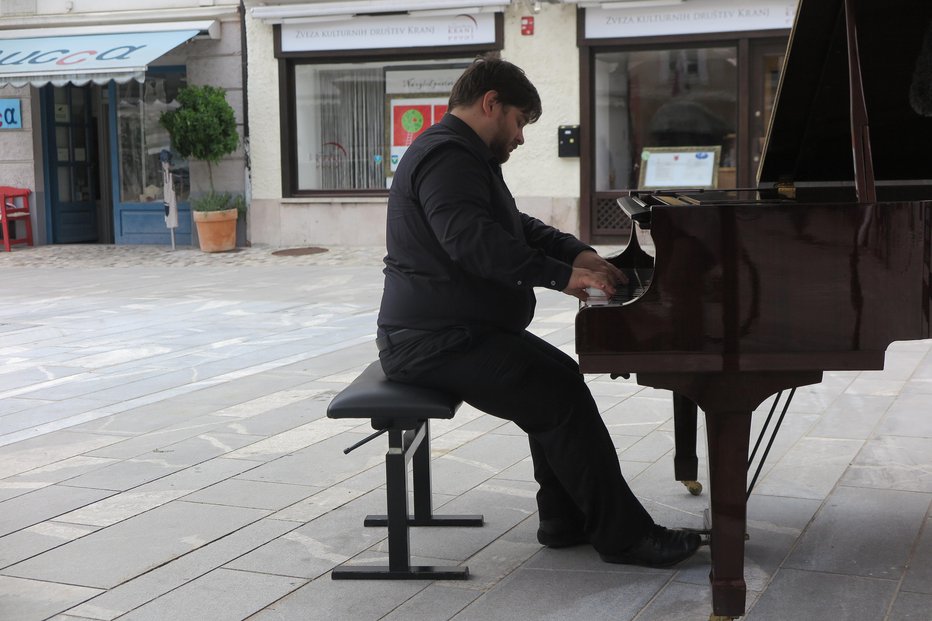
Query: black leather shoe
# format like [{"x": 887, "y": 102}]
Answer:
[
  {"x": 560, "y": 535},
  {"x": 660, "y": 547}
]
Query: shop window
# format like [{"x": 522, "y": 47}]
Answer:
[
  {"x": 353, "y": 121},
  {"x": 663, "y": 98},
  {"x": 142, "y": 137}
]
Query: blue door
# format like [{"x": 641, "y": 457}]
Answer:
[
  {"x": 72, "y": 163},
  {"x": 136, "y": 140}
]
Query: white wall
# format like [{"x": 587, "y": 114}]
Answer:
[
  {"x": 544, "y": 185},
  {"x": 265, "y": 121},
  {"x": 550, "y": 59}
]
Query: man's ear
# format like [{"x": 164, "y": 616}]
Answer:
[{"x": 489, "y": 101}]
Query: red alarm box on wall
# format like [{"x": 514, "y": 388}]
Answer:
[{"x": 527, "y": 25}]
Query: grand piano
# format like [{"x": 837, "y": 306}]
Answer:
[{"x": 819, "y": 267}]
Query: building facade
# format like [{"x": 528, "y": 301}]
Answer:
[
  {"x": 329, "y": 92},
  {"x": 91, "y": 78}
]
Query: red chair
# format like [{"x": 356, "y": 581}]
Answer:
[{"x": 14, "y": 205}]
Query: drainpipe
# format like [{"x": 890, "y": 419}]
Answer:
[{"x": 244, "y": 65}]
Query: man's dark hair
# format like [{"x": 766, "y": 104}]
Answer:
[{"x": 488, "y": 73}]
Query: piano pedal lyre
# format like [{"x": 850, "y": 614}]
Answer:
[{"x": 705, "y": 535}]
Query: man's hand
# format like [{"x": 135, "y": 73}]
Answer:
[
  {"x": 582, "y": 278},
  {"x": 589, "y": 260}
]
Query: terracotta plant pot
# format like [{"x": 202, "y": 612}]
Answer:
[{"x": 216, "y": 230}]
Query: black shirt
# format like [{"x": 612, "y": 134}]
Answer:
[{"x": 459, "y": 251}]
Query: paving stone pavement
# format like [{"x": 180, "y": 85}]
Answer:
[
  {"x": 109, "y": 255},
  {"x": 165, "y": 454}
]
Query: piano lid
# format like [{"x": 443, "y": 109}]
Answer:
[{"x": 810, "y": 133}]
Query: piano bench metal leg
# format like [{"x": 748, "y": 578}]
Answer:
[
  {"x": 433, "y": 520},
  {"x": 412, "y": 572},
  {"x": 404, "y": 446}
]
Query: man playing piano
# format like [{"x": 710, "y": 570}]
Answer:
[{"x": 460, "y": 270}]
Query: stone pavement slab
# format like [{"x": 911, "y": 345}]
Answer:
[
  {"x": 33, "y": 600},
  {"x": 166, "y": 578},
  {"x": 43, "y": 504},
  {"x": 110, "y": 556},
  {"x": 532, "y": 594},
  {"x": 874, "y": 540},
  {"x": 222, "y": 594},
  {"x": 795, "y": 594}
]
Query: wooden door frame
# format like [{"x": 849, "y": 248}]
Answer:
[{"x": 754, "y": 101}]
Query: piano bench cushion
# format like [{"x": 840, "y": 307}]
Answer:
[{"x": 390, "y": 405}]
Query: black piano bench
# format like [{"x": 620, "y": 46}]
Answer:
[{"x": 403, "y": 411}]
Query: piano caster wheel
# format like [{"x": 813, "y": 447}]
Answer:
[
  {"x": 721, "y": 618},
  {"x": 694, "y": 487}
]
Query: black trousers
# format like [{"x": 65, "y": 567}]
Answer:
[{"x": 522, "y": 378}]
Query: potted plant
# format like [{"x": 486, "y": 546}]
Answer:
[{"x": 203, "y": 127}]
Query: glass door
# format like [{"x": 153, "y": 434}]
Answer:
[{"x": 647, "y": 100}]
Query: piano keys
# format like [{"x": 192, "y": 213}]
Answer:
[
  {"x": 819, "y": 267},
  {"x": 638, "y": 282}
]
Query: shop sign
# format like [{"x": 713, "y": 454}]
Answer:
[
  {"x": 693, "y": 17},
  {"x": 10, "y": 114},
  {"x": 389, "y": 31}
]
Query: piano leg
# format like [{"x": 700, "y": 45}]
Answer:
[
  {"x": 728, "y": 436},
  {"x": 685, "y": 462},
  {"x": 728, "y": 399}
]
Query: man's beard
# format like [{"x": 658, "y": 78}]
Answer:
[{"x": 500, "y": 151}]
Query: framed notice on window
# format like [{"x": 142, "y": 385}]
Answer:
[
  {"x": 408, "y": 117},
  {"x": 416, "y": 97},
  {"x": 679, "y": 167}
]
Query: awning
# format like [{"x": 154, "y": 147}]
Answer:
[{"x": 79, "y": 58}]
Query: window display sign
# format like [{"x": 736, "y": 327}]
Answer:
[
  {"x": 408, "y": 118},
  {"x": 679, "y": 167},
  {"x": 416, "y": 97},
  {"x": 422, "y": 80}
]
